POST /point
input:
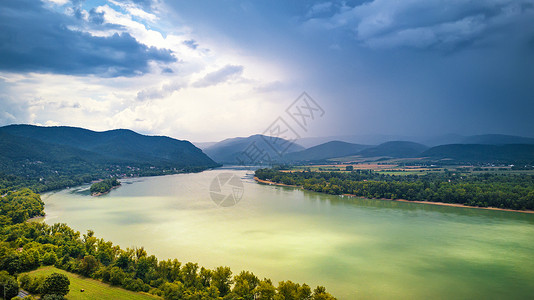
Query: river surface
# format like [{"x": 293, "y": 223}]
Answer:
[{"x": 357, "y": 248}]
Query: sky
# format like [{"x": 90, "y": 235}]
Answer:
[{"x": 210, "y": 70}]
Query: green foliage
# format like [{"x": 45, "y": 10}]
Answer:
[
  {"x": 32, "y": 284},
  {"x": 116, "y": 276},
  {"x": 265, "y": 290},
  {"x": 49, "y": 259},
  {"x": 55, "y": 284},
  {"x": 104, "y": 186},
  {"x": 245, "y": 285},
  {"x": 88, "y": 265},
  {"x": 48, "y": 158},
  {"x": 92, "y": 288},
  {"x": 221, "y": 278},
  {"x": 132, "y": 269},
  {"x": 495, "y": 190},
  {"x": 8, "y": 285},
  {"x": 53, "y": 297},
  {"x": 19, "y": 206}
]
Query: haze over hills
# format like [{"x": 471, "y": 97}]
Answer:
[
  {"x": 508, "y": 153},
  {"x": 60, "y": 145},
  {"x": 496, "y": 139},
  {"x": 431, "y": 141},
  {"x": 398, "y": 149},
  {"x": 21, "y": 143},
  {"x": 255, "y": 148},
  {"x": 452, "y": 153},
  {"x": 325, "y": 151}
]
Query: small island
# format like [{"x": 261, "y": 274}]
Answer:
[{"x": 104, "y": 186}]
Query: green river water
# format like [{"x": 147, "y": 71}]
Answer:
[{"x": 357, "y": 248}]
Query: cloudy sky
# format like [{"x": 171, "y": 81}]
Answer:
[{"x": 208, "y": 70}]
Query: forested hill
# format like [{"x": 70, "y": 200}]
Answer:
[
  {"x": 325, "y": 151},
  {"x": 395, "y": 149},
  {"x": 234, "y": 150},
  {"x": 56, "y": 157},
  {"x": 511, "y": 153},
  {"x": 119, "y": 144}
]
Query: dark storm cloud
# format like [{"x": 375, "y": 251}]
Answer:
[
  {"x": 393, "y": 67},
  {"x": 35, "y": 39},
  {"x": 222, "y": 75},
  {"x": 420, "y": 24}
]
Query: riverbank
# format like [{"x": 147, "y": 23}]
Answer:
[{"x": 403, "y": 200}]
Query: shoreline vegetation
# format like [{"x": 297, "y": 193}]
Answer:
[
  {"x": 104, "y": 186},
  {"x": 106, "y": 192},
  {"x": 398, "y": 200},
  {"x": 28, "y": 245},
  {"x": 269, "y": 182}
]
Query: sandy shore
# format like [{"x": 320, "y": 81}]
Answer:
[{"x": 404, "y": 200}]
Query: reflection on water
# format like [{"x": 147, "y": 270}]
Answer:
[{"x": 357, "y": 248}]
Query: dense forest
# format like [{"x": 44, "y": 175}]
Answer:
[
  {"x": 49, "y": 158},
  {"x": 25, "y": 246},
  {"x": 511, "y": 191},
  {"x": 104, "y": 186}
]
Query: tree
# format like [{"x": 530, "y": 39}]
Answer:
[
  {"x": 173, "y": 291},
  {"x": 287, "y": 290},
  {"x": 189, "y": 274},
  {"x": 304, "y": 292},
  {"x": 320, "y": 294},
  {"x": 8, "y": 285},
  {"x": 265, "y": 290},
  {"x": 53, "y": 297},
  {"x": 116, "y": 276},
  {"x": 89, "y": 265},
  {"x": 57, "y": 284},
  {"x": 245, "y": 283},
  {"x": 221, "y": 278},
  {"x": 49, "y": 258}
]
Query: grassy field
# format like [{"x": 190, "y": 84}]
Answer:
[{"x": 94, "y": 289}]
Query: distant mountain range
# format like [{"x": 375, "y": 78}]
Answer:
[
  {"x": 465, "y": 153},
  {"x": 368, "y": 139},
  {"x": 63, "y": 144},
  {"x": 398, "y": 149},
  {"x": 324, "y": 151},
  {"x": 496, "y": 139},
  {"x": 58, "y": 146},
  {"x": 488, "y": 148},
  {"x": 338, "y": 149},
  {"x": 249, "y": 150},
  {"x": 478, "y": 153}
]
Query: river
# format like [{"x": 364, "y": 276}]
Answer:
[{"x": 357, "y": 248}]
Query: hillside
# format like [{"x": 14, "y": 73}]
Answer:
[
  {"x": 120, "y": 144},
  {"x": 482, "y": 153},
  {"x": 56, "y": 157},
  {"x": 325, "y": 151},
  {"x": 234, "y": 150},
  {"x": 397, "y": 149},
  {"x": 496, "y": 139},
  {"x": 17, "y": 149}
]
